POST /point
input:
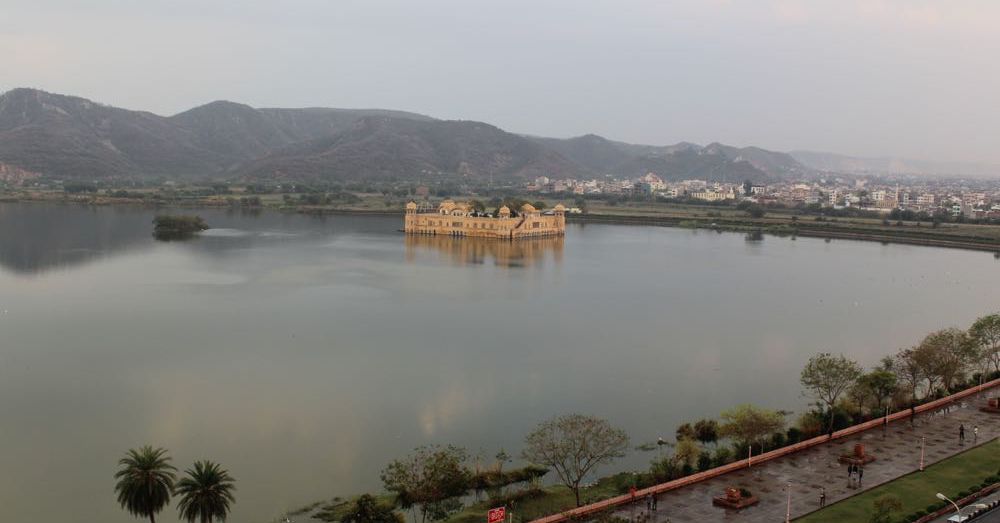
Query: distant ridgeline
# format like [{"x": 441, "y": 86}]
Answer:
[{"x": 459, "y": 219}]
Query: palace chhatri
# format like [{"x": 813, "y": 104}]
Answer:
[{"x": 459, "y": 219}]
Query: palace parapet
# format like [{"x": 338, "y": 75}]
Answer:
[{"x": 459, "y": 219}]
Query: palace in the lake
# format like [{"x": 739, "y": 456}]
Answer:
[{"x": 459, "y": 219}]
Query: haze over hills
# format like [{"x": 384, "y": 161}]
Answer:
[
  {"x": 69, "y": 137},
  {"x": 889, "y": 165}
]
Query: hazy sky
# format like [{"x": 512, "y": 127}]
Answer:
[{"x": 910, "y": 78}]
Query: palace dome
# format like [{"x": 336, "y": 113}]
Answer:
[{"x": 527, "y": 208}]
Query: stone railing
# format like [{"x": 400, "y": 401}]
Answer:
[{"x": 610, "y": 503}]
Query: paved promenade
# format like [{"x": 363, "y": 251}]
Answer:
[{"x": 897, "y": 452}]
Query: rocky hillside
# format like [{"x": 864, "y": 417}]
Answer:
[
  {"x": 679, "y": 161},
  {"x": 45, "y": 134}
]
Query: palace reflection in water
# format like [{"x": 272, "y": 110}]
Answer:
[{"x": 478, "y": 251}]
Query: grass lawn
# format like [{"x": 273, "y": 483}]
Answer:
[{"x": 917, "y": 490}]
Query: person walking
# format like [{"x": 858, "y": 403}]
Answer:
[
  {"x": 655, "y": 503},
  {"x": 822, "y": 497},
  {"x": 975, "y": 434},
  {"x": 861, "y": 474},
  {"x": 649, "y": 503},
  {"x": 961, "y": 434}
]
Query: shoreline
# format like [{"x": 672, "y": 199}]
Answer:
[{"x": 827, "y": 229}]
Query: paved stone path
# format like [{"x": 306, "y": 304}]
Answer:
[{"x": 897, "y": 453}]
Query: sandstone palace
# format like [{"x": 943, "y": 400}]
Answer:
[{"x": 459, "y": 219}]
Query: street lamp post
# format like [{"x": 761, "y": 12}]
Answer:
[
  {"x": 788, "y": 503},
  {"x": 922, "y": 453},
  {"x": 958, "y": 509}
]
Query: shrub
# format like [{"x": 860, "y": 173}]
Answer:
[
  {"x": 704, "y": 460},
  {"x": 722, "y": 456}
]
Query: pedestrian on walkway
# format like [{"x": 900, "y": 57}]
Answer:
[
  {"x": 655, "y": 503},
  {"x": 649, "y": 502},
  {"x": 961, "y": 434},
  {"x": 861, "y": 474},
  {"x": 975, "y": 434},
  {"x": 822, "y": 497}
]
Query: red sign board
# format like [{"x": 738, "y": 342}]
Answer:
[{"x": 496, "y": 515}]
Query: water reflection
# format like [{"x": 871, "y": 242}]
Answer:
[
  {"x": 39, "y": 237},
  {"x": 477, "y": 251}
]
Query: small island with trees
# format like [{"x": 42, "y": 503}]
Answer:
[{"x": 177, "y": 227}]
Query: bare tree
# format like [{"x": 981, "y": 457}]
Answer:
[{"x": 574, "y": 445}]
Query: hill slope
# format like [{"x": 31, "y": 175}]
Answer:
[
  {"x": 384, "y": 147},
  {"x": 68, "y": 137},
  {"x": 676, "y": 162}
]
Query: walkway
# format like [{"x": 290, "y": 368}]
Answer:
[{"x": 897, "y": 453}]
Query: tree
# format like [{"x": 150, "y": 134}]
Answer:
[
  {"x": 539, "y": 205},
  {"x": 706, "y": 431},
  {"x": 883, "y": 508},
  {"x": 949, "y": 352},
  {"x": 501, "y": 457},
  {"x": 986, "y": 332},
  {"x": 908, "y": 366},
  {"x": 477, "y": 205},
  {"x": 685, "y": 431},
  {"x": 686, "y": 452},
  {"x": 431, "y": 478},
  {"x": 145, "y": 481},
  {"x": 878, "y": 385},
  {"x": 205, "y": 493},
  {"x": 827, "y": 377},
  {"x": 574, "y": 445},
  {"x": 367, "y": 509},
  {"x": 748, "y": 424}
]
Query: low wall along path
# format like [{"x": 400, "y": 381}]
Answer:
[{"x": 811, "y": 465}]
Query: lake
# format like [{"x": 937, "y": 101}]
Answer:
[{"x": 303, "y": 352}]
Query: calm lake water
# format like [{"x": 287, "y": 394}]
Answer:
[{"x": 303, "y": 352}]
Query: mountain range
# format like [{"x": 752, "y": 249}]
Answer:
[{"x": 67, "y": 137}]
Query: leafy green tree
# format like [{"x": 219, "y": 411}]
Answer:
[
  {"x": 706, "y": 431},
  {"x": 432, "y": 478},
  {"x": 685, "y": 431},
  {"x": 686, "y": 452},
  {"x": 575, "y": 445},
  {"x": 950, "y": 353},
  {"x": 367, "y": 509},
  {"x": 877, "y": 387},
  {"x": 750, "y": 425},
  {"x": 986, "y": 332},
  {"x": 909, "y": 367},
  {"x": 827, "y": 377},
  {"x": 145, "y": 481},
  {"x": 206, "y": 493}
]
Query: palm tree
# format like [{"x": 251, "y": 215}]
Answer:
[
  {"x": 205, "y": 493},
  {"x": 145, "y": 481}
]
